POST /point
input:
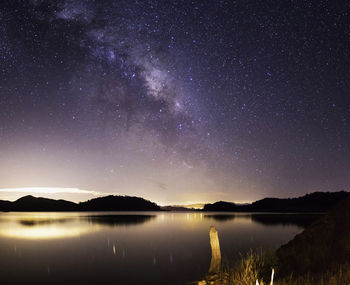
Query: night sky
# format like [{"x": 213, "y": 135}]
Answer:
[{"x": 175, "y": 101}]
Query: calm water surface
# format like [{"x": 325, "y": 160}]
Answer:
[{"x": 130, "y": 248}]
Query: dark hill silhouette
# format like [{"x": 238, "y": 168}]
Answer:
[
  {"x": 322, "y": 246},
  {"x": 5, "y": 205},
  {"x": 221, "y": 206},
  {"x": 314, "y": 202},
  {"x": 108, "y": 203},
  {"x": 30, "y": 203},
  {"x": 118, "y": 203}
]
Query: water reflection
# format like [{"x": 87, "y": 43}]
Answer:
[
  {"x": 162, "y": 247},
  {"x": 62, "y": 225},
  {"x": 34, "y": 222},
  {"x": 43, "y": 231},
  {"x": 220, "y": 217},
  {"x": 119, "y": 220},
  {"x": 300, "y": 220},
  {"x": 268, "y": 219},
  {"x": 38, "y": 226}
]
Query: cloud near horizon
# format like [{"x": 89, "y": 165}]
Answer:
[{"x": 50, "y": 190}]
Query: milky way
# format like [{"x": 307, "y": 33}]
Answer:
[{"x": 175, "y": 101}]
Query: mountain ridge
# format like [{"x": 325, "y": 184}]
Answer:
[
  {"x": 313, "y": 202},
  {"x": 30, "y": 203}
]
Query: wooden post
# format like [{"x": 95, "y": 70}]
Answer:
[{"x": 215, "y": 263}]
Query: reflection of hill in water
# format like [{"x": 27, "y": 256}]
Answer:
[
  {"x": 119, "y": 220},
  {"x": 301, "y": 220},
  {"x": 36, "y": 222},
  {"x": 110, "y": 220},
  {"x": 221, "y": 217}
]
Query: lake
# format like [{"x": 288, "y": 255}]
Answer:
[{"x": 131, "y": 248}]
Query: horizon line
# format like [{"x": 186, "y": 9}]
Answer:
[{"x": 75, "y": 190}]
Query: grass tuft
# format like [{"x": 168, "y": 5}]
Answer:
[{"x": 257, "y": 266}]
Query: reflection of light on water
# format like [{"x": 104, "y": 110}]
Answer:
[
  {"x": 194, "y": 216},
  {"x": 43, "y": 232},
  {"x": 42, "y": 226}
]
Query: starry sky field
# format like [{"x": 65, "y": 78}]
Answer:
[{"x": 175, "y": 101}]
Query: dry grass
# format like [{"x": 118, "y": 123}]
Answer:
[
  {"x": 258, "y": 266},
  {"x": 248, "y": 269},
  {"x": 338, "y": 276}
]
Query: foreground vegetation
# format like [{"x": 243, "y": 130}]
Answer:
[
  {"x": 320, "y": 255},
  {"x": 258, "y": 266}
]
